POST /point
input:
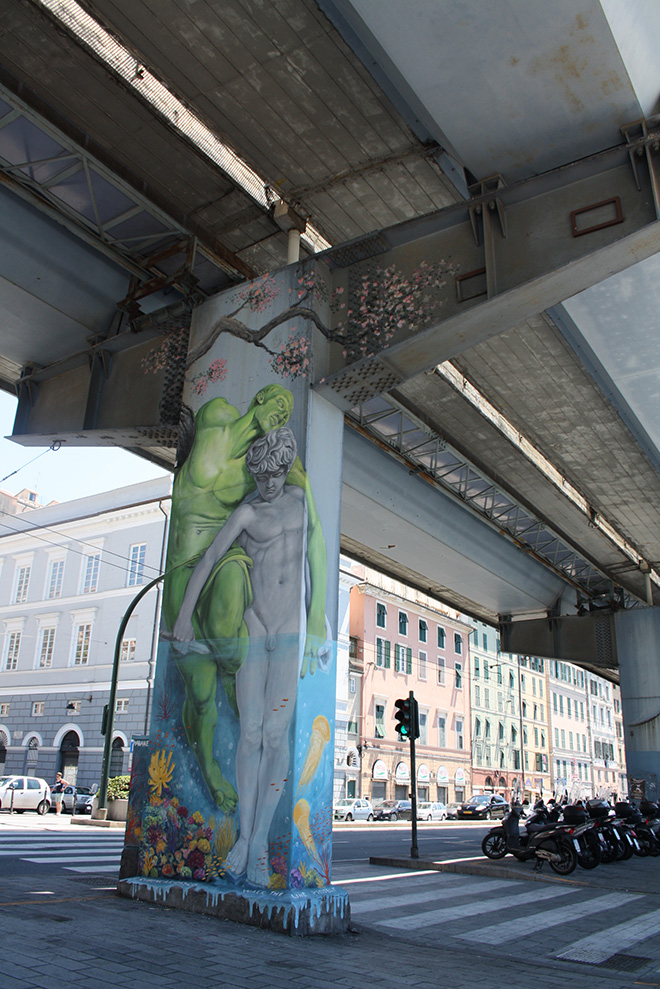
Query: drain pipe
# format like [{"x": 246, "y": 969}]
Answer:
[{"x": 294, "y": 224}]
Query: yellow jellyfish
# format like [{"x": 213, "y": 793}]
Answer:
[
  {"x": 317, "y": 742},
  {"x": 301, "y": 821}
]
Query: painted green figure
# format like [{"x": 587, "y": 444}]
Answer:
[{"x": 208, "y": 487}]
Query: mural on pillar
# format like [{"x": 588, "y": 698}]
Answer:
[{"x": 236, "y": 781}]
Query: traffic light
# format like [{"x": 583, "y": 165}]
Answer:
[{"x": 407, "y": 717}]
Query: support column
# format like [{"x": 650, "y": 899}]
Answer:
[
  {"x": 638, "y": 649},
  {"x": 231, "y": 813}
]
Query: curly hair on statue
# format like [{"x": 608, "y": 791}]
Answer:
[{"x": 271, "y": 452}]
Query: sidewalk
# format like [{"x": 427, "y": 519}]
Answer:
[
  {"x": 61, "y": 932},
  {"x": 83, "y": 935}
]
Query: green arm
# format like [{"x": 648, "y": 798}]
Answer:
[{"x": 316, "y": 554}]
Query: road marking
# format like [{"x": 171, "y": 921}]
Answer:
[
  {"x": 599, "y": 947},
  {"x": 60, "y": 859},
  {"x": 508, "y": 930},
  {"x": 427, "y": 918},
  {"x": 413, "y": 899},
  {"x": 37, "y": 849},
  {"x": 394, "y": 875},
  {"x": 93, "y": 867}
]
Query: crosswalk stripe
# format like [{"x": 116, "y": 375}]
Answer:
[
  {"x": 599, "y": 947},
  {"x": 509, "y": 930},
  {"x": 41, "y": 859},
  {"x": 427, "y": 918},
  {"x": 97, "y": 868},
  {"x": 45, "y": 848},
  {"x": 412, "y": 899}
]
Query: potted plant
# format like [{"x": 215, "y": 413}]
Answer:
[{"x": 118, "y": 787}]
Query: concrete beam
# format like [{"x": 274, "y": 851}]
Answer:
[{"x": 517, "y": 250}]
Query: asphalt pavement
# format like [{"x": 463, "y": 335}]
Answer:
[{"x": 73, "y": 931}]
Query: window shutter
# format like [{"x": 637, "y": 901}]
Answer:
[
  {"x": 387, "y": 654},
  {"x": 409, "y": 661}
]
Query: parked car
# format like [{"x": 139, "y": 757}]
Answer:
[
  {"x": 392, "y": 810},
  {"x": 84, "y": 799},
  {"x": 484, "y": 806},
  {"x": 452, "y": 810},
  {"x": 431, "y": 811},
  {"x": 24, "y": 793},
  {"x": 353, "y": 809}
]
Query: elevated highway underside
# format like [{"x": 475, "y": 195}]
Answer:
[{"x": 502, "y": 454}]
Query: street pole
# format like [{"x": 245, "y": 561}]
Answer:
[
  {"x": 414, "y": 848},
  {"x": 109, "y": 712}
]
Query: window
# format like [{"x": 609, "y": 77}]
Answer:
[
  {"x": 91, "y": 574},
  {"x": 403, "y": 623},
  {"x": 383, "y": 653},
  {"x": 485, "y": 642},
  {"x": 441, "y": 670},
  {"x": 487, "y": 729},
  {"x": 486, "y": 697},
  {"x": 136, "y": 572},
  {"x": 381, "y": 615},
  {"x": 442, "y": 732},
  {"x": 476, "y": 666},
  {"x": 423, "y": 630},
  {"x": 486, "y": 671},
  {"x": 568, "y": 707},
  {"x": 351, "y": 685},
  {"x": 379, "y": 721},
  {"x": 477, "y": 695},
  {"x": 4, "y": 710},
  {"x": 477, "y": 727},
  {"x": 13, "y": 646},
  {"x": 55, "y": 577},
  {"x": 423, "y": 728},
  {"x": 458, "y": 676},
  {"x": 22, "y": 583},
  {"x": 127, "y": 650},
  {"x": 500, "y": 732},
  {"x": 38, "y": 708},
  {"x": 73, "y": 707},
  {"x": 402, "y": 659},
  {"x": 458, "y": 643},
  {"x": 421, "y": 665},
  {"x": 441, "y": 637},
  {"x": 458, "y": 728},
  {"x": 46, "y": 648},
  {"x": 556, "y": 738},
  {"x": 82, "y": 637},
  {"x": 121, "y": 706}
]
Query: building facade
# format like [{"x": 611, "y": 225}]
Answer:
[
  {"x": 404, "y": 642},
  {"x": 68, "y": 572}
]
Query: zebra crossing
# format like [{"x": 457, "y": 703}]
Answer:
[
  {"x": 72, "y": 852},
  {"x": 595, "y": 926}
]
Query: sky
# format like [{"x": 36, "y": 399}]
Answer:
[{"x": 65, "y": 474}]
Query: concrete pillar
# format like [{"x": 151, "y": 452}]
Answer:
[
  {"x": 638, "y": 648},
  {"x": 233, "y": 812}
]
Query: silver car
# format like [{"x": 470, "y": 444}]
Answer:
[
  {"x": 21, "y": 793},
  {"x": 353, "y": 809},
  {"x": 427, "y": 811}
]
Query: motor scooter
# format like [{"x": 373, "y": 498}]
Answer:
[{"x": 540, "y": 841}]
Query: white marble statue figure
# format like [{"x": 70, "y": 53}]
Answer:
[{"x": 270, "y": 528}]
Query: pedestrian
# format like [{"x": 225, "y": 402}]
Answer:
[{"x": 58, "y": 791}]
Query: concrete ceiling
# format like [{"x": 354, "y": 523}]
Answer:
[{"x": 362, "y": 114}]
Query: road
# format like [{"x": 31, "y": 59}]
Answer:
[{"x": 600, "y": 928}]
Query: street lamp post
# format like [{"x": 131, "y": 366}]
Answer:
[{"x": 109, "y": 710}]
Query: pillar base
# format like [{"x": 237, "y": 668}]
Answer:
[{"x": 296, "y": 912}]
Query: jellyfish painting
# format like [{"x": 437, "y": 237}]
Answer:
[
  {"x": 318, "y": 740},
  {"x": 301, "y": 821}
]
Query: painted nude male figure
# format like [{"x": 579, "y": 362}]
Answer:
[
  {"x": 271, "y": 530},
  {"x": 210, "y": 484}
]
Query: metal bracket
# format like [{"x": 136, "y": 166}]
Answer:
[{"x": 643, "y": 140}]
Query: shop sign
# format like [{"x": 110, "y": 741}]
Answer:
[
  {"x": 379, "y": 771},
  {"x": 443, "y": 775},
  {"x": 402, "y": 773},
  {"x": 423, "y": 774}
]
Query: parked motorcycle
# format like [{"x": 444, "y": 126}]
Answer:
[{"x": 542, "y": 842}]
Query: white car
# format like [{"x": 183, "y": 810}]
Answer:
[
  {"x": 353, "y": 809},
  {"x": 24, "y": 793},
  {"x": 431, "y": 811}
]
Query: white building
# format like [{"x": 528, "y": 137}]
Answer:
[{"x": 68, "y": 573}]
